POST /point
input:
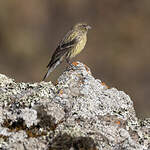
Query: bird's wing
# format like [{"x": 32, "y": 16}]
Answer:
[{"x": 63, "y": 47}]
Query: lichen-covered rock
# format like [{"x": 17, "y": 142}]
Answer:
[{"x": 80, "y": 112}]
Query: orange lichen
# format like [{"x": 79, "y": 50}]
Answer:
[
  {"x": 61, "y": 92},
  {"x": 118, "y": 122},
  {"x": 81, "y": 81},
  {"x": 75, "y": 63},
  {"x": 86, "y": 67},
  {"x": 104, "y": 84}
]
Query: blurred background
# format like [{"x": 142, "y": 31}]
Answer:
[{"x": 118, "y": 48}]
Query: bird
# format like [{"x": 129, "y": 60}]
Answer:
[{"x": 70, "y": 46}]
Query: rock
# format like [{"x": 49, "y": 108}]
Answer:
[{"x": 80, "y": 112}]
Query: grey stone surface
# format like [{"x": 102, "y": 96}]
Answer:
[{"x": 79, "y": 113}]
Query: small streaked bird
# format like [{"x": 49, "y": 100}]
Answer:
[{"x": 71, "y": 45}]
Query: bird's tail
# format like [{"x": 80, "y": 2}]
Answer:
[{"x": 50, "y": 69}]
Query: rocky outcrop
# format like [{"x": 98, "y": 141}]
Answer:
[{"x": 79, "y": 113}]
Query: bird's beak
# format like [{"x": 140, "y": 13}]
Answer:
[{"x": 89, "y": 27}]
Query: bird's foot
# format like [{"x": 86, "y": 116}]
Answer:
[{"x": 74, "y": 66}]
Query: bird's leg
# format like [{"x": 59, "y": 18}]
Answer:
[
  {"x": 69, "y": 62},
  {"x": 73, "y": 67}
]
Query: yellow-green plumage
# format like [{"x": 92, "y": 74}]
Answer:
[
  {"x": 79, "y": 47},
  {"x": 71, "y": 45}
]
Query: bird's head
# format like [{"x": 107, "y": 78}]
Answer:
[{"x": 82, "y": 26}]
